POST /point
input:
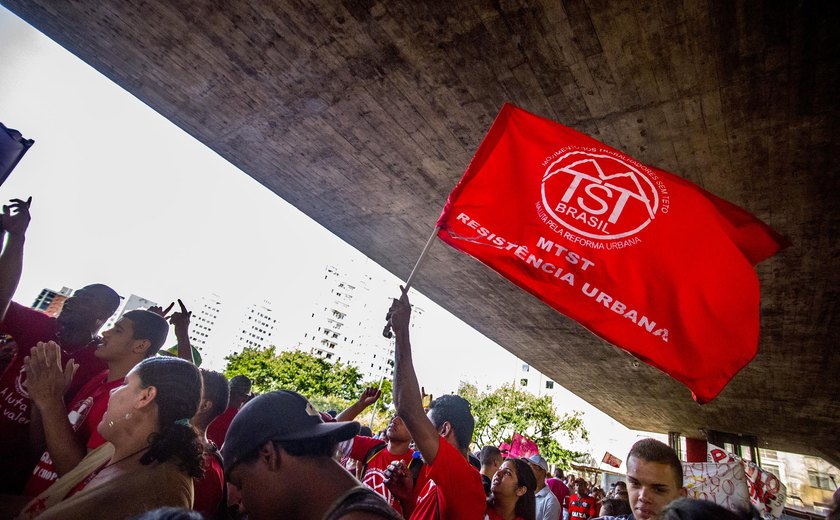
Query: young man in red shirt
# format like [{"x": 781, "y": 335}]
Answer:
[
  {"x": 376, "y": 455},
  {"x": 581, "y": 504},
  {"x": 74, "y": 330},
  {"x": 451, "y": 486}
]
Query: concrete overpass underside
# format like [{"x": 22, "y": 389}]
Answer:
[{"x": 364, "y": 115}]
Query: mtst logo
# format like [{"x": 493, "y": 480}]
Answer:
[{"x": 599, "y": 194}]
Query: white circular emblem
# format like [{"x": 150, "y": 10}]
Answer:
[{"x": 599, "y": 194}]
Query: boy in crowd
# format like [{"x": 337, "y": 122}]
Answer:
[
  {"x": 373, "y": 456},
  {"x": 654, "y": 479}
]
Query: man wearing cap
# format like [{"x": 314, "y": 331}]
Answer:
[
  {"x": 548, "y": 507},
  {"x": 240, "y": 392},
  {"x": 278, "y": 453},
  {"x": 451, "y": 486}
]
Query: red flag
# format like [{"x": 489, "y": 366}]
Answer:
[
  {"x": 648, "y": 261},
  {"x": 505, "y": 449},
  {"x": 521, "y": 446},
  {"x": 611, "y": 459}
]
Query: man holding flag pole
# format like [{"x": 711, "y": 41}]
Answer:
[{"x": 450, "y": 487}]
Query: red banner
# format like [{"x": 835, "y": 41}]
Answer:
[
  {"x": 648, "y": 261},
  {"x": 611, "y": 460},
  {"x": 521, "y": 446}
]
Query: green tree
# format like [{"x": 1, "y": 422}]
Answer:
[
  {"x": 309, "y": 375},
  {"x": 506, "y": 410}
]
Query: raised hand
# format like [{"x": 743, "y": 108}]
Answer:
[
  {"x": 180, "y": 319},
  {"x": 399, "y": 314},
  {"x": 46, "y": 379},
  {"x": 15, "y": 218},
  {"x": 399, "y": 481},
  {"x": 369, "y": 396},
  {"x": 160, "y": 311}
]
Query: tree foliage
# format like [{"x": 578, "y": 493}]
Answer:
[
  {"x": 304, "y": 373},
  {"x": 505, "y": 411}
]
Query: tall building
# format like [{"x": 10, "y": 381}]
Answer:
[
  {"x": 256, "y": 328},
  {"x": 128, "y": 304},
  {"x": 51, "y": 302},
  {"x": 335, "y": 320},
  {"x": 347, "y": 321},
  {"x": 204, "y": 320}
]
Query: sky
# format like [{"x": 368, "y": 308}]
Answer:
[{"x": 124, "y": 197}]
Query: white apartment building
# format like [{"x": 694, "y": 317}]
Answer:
[
  {"x": 204, "y": 320},
  {"x": 256, "y": 328},
  {"x": 347, "y": 322}
]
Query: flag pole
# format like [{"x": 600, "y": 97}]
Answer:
[{"x": 387, "y": 331}]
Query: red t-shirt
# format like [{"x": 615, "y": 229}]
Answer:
[
  {"x": 582, "y": 507},
  {"x": 28, "y": 327},
  {"x": 374, "y": 476},
  {"x": 209, "y": 489},
  {"x": 453, "y": 489},
  {"x": 491, "y": 514},
  {"x": 85, "y": 412},
  {"x": 218, "y": 427}
]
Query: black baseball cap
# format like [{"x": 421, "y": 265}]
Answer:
[{"x": 282, "y": 415}]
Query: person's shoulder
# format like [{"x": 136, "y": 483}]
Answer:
[
  {"x": 550, "y": 496},
  {"x": 20, "y": 316},
  {"x": 362, "y": 503},
  {"x": 366, "y": 515}
]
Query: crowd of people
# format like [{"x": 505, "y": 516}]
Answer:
[{"x": 106, "y": 427}]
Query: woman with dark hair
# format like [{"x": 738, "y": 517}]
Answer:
[
  {"x": 512, "y": 492},
  {"x": 151, "y": 455}
]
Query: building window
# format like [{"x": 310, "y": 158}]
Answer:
[
  {"x": 526, "y": 367},
  {"x": 821, "y": 480},
  {"x": 772, "y": 468},
  {"x": 523, "y": 382},
  {"x": 549, "y": 385}
]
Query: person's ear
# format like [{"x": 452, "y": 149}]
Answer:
[
  {"x": 141, "y": 346},
  {"x": 270, "y": 454},
  {"x": 521, "y": 490},
  {"x": 204, "y": 405},
  {"x": 147, "y": 397},
  {"x": 683, "y": 492},
  {"x": 445, "y": 429}
]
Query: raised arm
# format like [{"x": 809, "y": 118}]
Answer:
[
  {"x": 368, "y": 397},
  {"x": 181, "y": 321},
  {"x": 14, "y": 221},
  {"x": 407, "y": 397}
]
